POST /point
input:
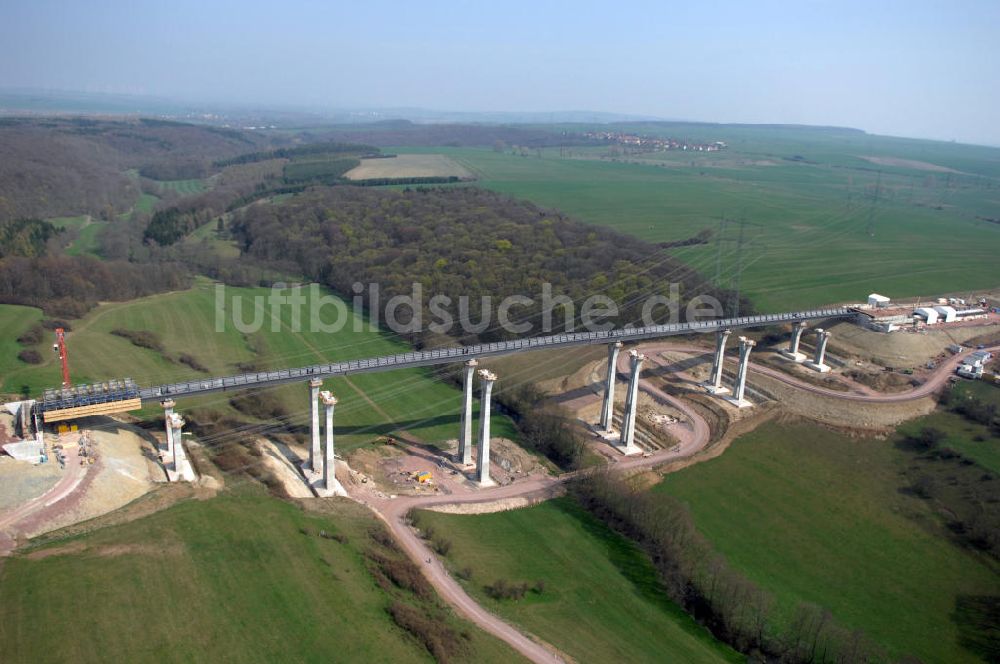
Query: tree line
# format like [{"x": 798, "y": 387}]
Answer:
[{"x": 324, "y": 147}]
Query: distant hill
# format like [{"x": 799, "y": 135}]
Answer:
[{"x": 69, "y": 166}]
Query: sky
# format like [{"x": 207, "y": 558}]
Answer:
[{"x": 907, "y": 68}]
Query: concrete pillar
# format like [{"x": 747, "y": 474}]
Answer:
[
  {"x": 465, "y": 432},
  {"x": 715, "y": 381},
  {"x": 487, "y": 378},
  {"x": 822, "y": 337},
  {"x": 177, "y": 424},
  {"x": 740, "y": 384},
  {"x": 315, "y": 458},
  {"x": 793, "y": 345},
  {"x": 329, "y": 463},
  {"x": 627, "y": 441},
  {"x": 608, "y": 408},
  {"x": 168, "y": 413}
]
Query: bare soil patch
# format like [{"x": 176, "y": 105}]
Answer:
[
  {"x": 408, "y": 166},
  {"x": 910, "y": 163},
  {"x": 901, "y": 349}
]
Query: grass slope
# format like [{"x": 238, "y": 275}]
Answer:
[
  {"x": 231, "y": 579},
  {"x": 183, "y": 187},
  {"x": 89, "y": 231},
  {"x": 810, "y": 243},
  {"x": 370, "y": 404},
  {"x": 601, "y": 601},
  {"x": 817, "y": 517}
]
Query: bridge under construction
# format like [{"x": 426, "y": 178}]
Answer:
[
  {"x": 121, "y": 395},
  {"x": 124, "y": 395}
]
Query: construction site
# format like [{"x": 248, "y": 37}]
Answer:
[{"x": 76, "y": 452}]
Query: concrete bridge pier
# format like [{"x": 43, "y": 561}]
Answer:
[
  {"x": 714, "y": 384},
  {"x": 331, "y": 487},
  {"x": 314, "y": 467},
  {"x": 608, "y": 407},
  {"x": 168, "y": 413},
  {"x": 627, "y": 441},
  {"x": 792, "y": 352},
  {"x": 487, "y": 379},
  {"x": 182, "y": 469},
  {"x": 740, "y": 384},
  {"x": 464, "y": 455},
  {"x": 822, "y": 337}
]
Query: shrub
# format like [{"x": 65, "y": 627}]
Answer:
[
  {"x": 441, "y": 641},
  {"x": 192, "y": 361},
  {"x": 402, "y": 572},
  {"x": 53, "y": 323},
  {"x": 30, "y": 356},
  {"x": 31, "y": 336},
  {"x": 502, "y": 589},
  {"x": 140, "y": 338}
]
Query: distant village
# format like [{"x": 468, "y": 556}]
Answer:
[{"x": 652, "y": 143}]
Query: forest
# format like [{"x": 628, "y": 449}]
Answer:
[
  {"x": 459, "y": 241},
  {"x": 68, "y": 166}
]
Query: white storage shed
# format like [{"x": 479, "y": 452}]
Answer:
[
  {"x": 929, "y": 315},
  {"x": 946, "y": 314},
  {"x": 878, "y": 301}
]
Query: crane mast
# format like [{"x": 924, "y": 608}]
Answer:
[{"x": 60, "y": 347}]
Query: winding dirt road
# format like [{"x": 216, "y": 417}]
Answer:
[{"x": 693, "y": 435}]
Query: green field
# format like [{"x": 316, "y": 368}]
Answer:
[
  {"x": 601, "y": 600},
  {"x": 183, "y": 187},
  {"x": 412, "y": 400},
  {"x": 817, "y": 517},
  {"x": 146, "y": 203},
  {"x": 808, "y": 242},
  {"x": 231, "y": 579},
  {"x": 972, "y": 440},
  {"x": 88, "y": 229},
  {"x": 319, "y": 170}
]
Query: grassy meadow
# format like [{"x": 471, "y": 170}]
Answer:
[
  {"x": 88, "y": 231},
  {"x": 817, "y": 517},
  {"x": 238, "y": 578},
  {"x": 183, "y": 187},
  {"x": 808, "y": 198},
  {"x": 601, "y": 600},
  {"x": 412, "y": 400}
]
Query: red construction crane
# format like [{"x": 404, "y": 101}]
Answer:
[{"x": 60, "y": 347}]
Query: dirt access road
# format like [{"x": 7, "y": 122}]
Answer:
[
  {"x": 694, "y": 436},
  {"x": 859, "y": 392},
  {"x": 25, "y": 517}
]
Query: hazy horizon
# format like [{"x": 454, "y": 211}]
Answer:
[{"x": 920, "y": 69}]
